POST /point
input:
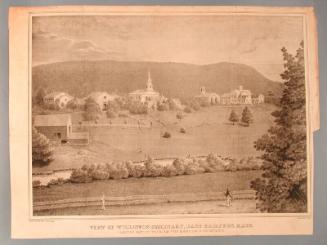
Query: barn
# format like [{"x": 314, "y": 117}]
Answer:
[{"x": 56, "y": 127}]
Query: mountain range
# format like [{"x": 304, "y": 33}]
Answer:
[{"x": 180, "y": 80}]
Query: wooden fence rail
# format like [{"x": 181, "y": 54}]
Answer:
[{"x": 141, "y": 199}]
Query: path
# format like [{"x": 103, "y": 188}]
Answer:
[{"x": 199, "y": 207}]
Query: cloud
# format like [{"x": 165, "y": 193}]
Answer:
[
  {"x": 252, "y": 40},
  {"x": 50, "y": 47}
]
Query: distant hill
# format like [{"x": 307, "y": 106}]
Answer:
[{"x": 171, "y": 79}]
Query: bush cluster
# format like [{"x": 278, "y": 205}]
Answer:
[
  {"x": 137, "y": 108},
  {"x": 180, "y": 166},
  {"x": 166, "y": 135},
  {"x": 191, "y": 104}
]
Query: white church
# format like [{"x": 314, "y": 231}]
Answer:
[{"x": 147, "y": 96}]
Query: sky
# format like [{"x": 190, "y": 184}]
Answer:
[{"x": 251, "y": 40}]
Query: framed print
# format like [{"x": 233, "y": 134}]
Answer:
[{"x": 162, "y": 121}]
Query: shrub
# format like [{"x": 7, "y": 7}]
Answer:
[
  {"x": 179, "y": 116},
  {"x": 182, "y": 130},
  {"x": 117, "y": 170},
  {"x": 72, "y": 104},
  {"x": 179, "y": 165},
  {"x": 137, "y": 171},
  {"x": 195, "y": 105},
  {"x": 137, "y": 108},
  {"x": 113, "y": 105},
  {"x": 42, "y": 151},
  {"x": 163, "y": 106},
  {"x": 36, "y": 183},
  {"x": 215, "y": 162},
  {"x": 232, "y": 166},
  {"x": 61, "y": 181},
  {"x": 187, "y": 109},
  {"x": 173, "y": 105},
  {"x": 193, "y": 168},
  {"x": 166, "y": 135},
  {"x": 80, "y": 176},
  {"x": 100, "y": 173},
  {"x": 53, "y": 182},
  {"x": 169, "y": 171},
  {"x": 150, "y": 168}
]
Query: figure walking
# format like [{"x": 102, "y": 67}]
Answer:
[
  {"x": 229, "y": 198},
  {"x": 103, "y": 200}
]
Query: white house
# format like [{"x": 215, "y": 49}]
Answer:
[
  {"x": 237, "y": 96},
  {"x": 59, "y": 99},
  {"x": 204, "y": 96}
]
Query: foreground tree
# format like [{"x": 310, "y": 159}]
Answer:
[
  {"x": 247, "y": 117},
  {"x": 42, "y": 152},
  {"x": 283, "y": 186},
  {"x": 233, "y": 117}
]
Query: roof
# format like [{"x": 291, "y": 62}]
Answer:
[
  {"x": 245, "y": 92},
  {"x": 52, "y": 120}
]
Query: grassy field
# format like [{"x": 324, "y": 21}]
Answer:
[
  {"x": 207, "y": 130},
  {"x": 208, "y": 182},
  {"x": 196, "y": 190}
]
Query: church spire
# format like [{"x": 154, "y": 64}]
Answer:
[{"x": 149, "y": 86}]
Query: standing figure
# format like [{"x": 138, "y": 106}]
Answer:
[
  {"x": 229, "y": 198},
  {"x": 103, "y": 200}
]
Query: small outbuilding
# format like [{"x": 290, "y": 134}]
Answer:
[{"x": 56, "y": 127}]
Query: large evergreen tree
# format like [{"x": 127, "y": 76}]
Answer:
[
  {"x": 233, "y": 117},
  {"x": 283, "y": 185},
  {"x": 247, "y": 117},
  {"x": 42, "y": 152}
]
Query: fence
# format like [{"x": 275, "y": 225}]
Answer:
[{"x": 141, "y": 200}]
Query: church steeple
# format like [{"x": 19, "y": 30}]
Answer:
[{"x": 149, "y": 86}]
